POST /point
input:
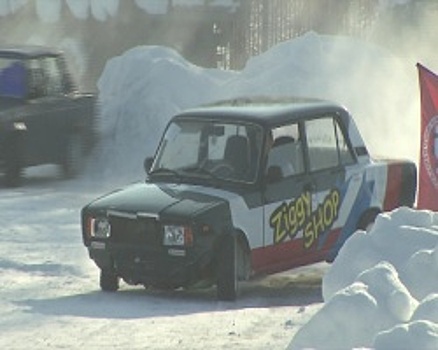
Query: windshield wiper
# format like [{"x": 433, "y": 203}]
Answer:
[
  {"x": 201, "y": 170},
  {"x": 165, "y": 171}
]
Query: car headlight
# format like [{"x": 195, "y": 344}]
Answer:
[
  {"x": 19, "y": 126},
  {"x": 100, "y": 227},
  {"x": 177, "y": 235}
]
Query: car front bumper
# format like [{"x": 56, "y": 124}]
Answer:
[{"x": 163, "y": 267}]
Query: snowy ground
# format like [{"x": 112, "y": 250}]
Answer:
[{"x": 49, "y": 296}]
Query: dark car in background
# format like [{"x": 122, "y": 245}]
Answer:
[{"x": 44, "y": 119}]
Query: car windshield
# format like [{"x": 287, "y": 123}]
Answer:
[{"x": 209, "y": 149}]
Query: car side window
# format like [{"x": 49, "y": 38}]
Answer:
[
  {"x": 327, "y": 146},
  {"x": 285, "y": 157},
  {"x": 36, "y": 79},
  {"x": 45, "y": 77},
  {"x": 53, "y": 76}
]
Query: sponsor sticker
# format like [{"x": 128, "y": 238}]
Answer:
[{"x": 290, "y": 218}]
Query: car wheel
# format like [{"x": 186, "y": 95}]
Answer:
[
  {"x": 367, "y": 220},
  {"x": 109, "y": 281},
  {"x": 13, "y": 173},
  {"x": 14, "y": 162},
  {"x": 365, "y": 223},
  {"x": 72, "y": 162},
  {"x": 243, "y": 259},
  {"x": 227, "y": 281}
]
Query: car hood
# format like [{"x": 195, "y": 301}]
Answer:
[{"x": 147, "y": 199}]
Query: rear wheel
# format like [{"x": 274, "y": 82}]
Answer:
[
  {"x": 227, "y": 281},
  {"x": 365, "y": 223},
  {"x": 367, "y": 220},
  {"x": 109, "y": 281}
]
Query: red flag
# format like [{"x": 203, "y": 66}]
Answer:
[{"x": 428, "y": 175}]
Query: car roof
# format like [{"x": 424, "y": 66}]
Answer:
[
  {"x": 268, "y": 112},
  {"x": 27, "y": 51}
]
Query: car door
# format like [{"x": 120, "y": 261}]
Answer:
[
  {"x": 337, "y": 179},
  {"x": 288, "y": 197},
  {"x": 49, "y": 111}
]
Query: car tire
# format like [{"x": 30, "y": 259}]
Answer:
[
  {"x": 243, "y": 259},
  {"x": 13, "y": 173},
  {"x": 73, "y": 156},
  {"x": 14, "y": 161},
  {"x": 367, "y": 220},
  {"x": 227, "y": 279},
  {"x": 365, "y": 223},
  {"x": 109, "y": 281}
]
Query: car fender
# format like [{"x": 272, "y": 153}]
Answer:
[{"x": 245, "y": 219}]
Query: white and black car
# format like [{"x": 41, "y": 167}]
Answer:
[{"x": 239, "y": 189}]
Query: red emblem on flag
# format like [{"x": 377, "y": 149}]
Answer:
[{"x": 428, "y": 175}]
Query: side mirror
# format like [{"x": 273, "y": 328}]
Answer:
[{"x": 148, "y": 164}]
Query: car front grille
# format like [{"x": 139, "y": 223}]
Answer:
[{"x": 138, "y": 231}]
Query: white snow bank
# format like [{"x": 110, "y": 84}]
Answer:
[
  {"x": 8, "y": 6},
  {"x": 139, "y": 92},
  {"x": 405, "y": 238},
  {"x": 157, "y": 7},
  {"x": 160, "y": 7},
  {"x": 416, "y": 335},
  {"x": 382, "y": 289},
  {"x": 99, "y": 9},
  {"x": 141, "y": 89},
  {"x": 102, "y": 8},
  {"x": 49, "y": 11},
  {"x": 385, "y": 4}
]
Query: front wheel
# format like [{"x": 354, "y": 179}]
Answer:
[
  {"x": 227, "y": 281},
  {"x": 13, "y": 172},
  {"x": 109, "y": 281},
  {"x": 14, "y": 161},
  {"x": 73, "y": 156}
]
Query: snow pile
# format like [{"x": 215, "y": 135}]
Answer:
[
  {"x": 385, "y": 4},
  {"x": 139, "y": 92},
  {"x": 99, "y": 9},
  {"x": 382, "y": 289},
  {"x": 160, "y": 7},
  {"x": 141, "y": 89},
  {"x": 8, "y": 7},
  {"x": 49, "y": 11}
]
